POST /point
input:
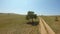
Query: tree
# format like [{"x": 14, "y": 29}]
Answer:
[
  {"x": 31, "y": 15},
  {"x": 35, "y": 16}
]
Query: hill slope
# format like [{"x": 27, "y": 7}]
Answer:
[{"x": 15, "y": 24}]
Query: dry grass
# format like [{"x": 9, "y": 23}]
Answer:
[
  {"x": 15, "y": 24},
  {"x": 55, "y": 25}
]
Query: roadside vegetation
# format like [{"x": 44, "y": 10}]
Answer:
[
  {"x": 32, "y": 18},
  {"x": 53, "y": 22}
]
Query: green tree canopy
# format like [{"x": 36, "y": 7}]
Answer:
[{"x": 31, "y": 15}]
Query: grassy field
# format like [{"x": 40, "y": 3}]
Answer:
[
  {"x": 16, "y": 24},
  {"x": 51, "y": 21}
]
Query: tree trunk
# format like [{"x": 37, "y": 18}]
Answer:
[{"x": 32, "y": 20}]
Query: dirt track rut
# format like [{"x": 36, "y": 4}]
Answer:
[{"x": 44, "y": 28}]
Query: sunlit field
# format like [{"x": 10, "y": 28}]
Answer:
[
  {"x": 51, "y": 21},
  {"x": 16, "y": 24}
]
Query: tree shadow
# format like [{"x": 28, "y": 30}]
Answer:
[{"x": 33, "y": 23}]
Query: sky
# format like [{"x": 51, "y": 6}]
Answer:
[{"x": 40, "y": 7}]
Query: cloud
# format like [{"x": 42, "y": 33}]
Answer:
[{"x": 17, "y": 11}]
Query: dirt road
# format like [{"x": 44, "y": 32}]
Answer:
[{"x": 44, "y": 28}]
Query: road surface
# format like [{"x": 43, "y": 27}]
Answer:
[{"x": 44, "y": 28}]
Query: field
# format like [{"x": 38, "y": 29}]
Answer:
[
  {"x": 51, "y": 21},
  {"x": 16, "y": 24}
]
